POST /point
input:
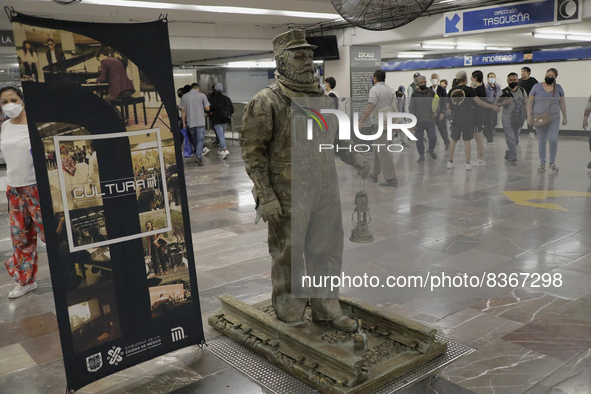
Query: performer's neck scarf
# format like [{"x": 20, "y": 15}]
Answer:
[{"x": 295, "y": 89}]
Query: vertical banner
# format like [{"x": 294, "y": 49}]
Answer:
[
  {"x": 365, "y": 60},
  {"x": 112, "y": 191}
]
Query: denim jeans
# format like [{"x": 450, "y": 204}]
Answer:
[
  {"x": 220, "y": 130},
  {"x": 548, "y": 133},
  {"x": 431, "y": 134},
  {"x": 197, "y": 137},
  {"x": 511, "y": 136}
]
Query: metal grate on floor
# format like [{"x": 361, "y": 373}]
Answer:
[{"x": 277, "y": 381}]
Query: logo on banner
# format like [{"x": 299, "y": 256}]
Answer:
[
  {"x": 178, "y": 334},
  {"x": 344, "y": 132},
  {"x": 115, "y": 356},
  {"x": 94, "y": 362},
  {"x": 117, "y": 189},
  {"x": 467, "y": 60},
  {"x": 567, "y": 10}
]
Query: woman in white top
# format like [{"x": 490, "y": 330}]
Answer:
[{"x": 23, "y": 198}]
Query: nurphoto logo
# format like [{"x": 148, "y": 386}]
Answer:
[
  {"x": 178, "y": 334},
  {"x": 345, "y": 129},
  {"x": 94, "y": 362}
]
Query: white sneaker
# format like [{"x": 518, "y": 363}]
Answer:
[
  {"x": 468, "y": 166},
  {"x": 223, "y": 153},
  {"x": 205, "y": 151},
  {"x": 479, "y": 163},
  {"x": 20, "y": 291},
  {"x": 532, "y": 136},
  {"x": 450, "y": 165}
]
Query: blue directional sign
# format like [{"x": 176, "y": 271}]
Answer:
[{"x": 508, "y": 16}]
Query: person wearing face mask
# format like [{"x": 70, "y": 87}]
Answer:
[
  {"x": 513, "y": 100},
  {"x": 412, "y": 87},
  {"x": 422, "y": 107},
  {"x": 381, "y": 96},
  {"x": 462, "y": 99},
  {"x": 480, "y": 115},
  {"x": 23, "y": 197},
  {"x": 440, "y": 121},
  {"x": 527, "y": 82},
  {"x": 490, "y": 117},
  {"x": 546, "y": 101}
]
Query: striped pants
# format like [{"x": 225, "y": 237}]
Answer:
[{"x": 25, "y": 225}]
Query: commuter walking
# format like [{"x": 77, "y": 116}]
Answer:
[
  {"x": 24, "y": 211},
  {"x": 546, "y": 101},
  {"x": 194, "y": 105},
  {"x": 513, "y": 99},
  {"x": 221, "y": 112},
  {"x": 381, "y": 97},
  {"x": 411, "y": 88},
  {"x": 421, "y": 106},
  {"x": 462, "y": 101},
  {"x": 527, "y": 82},
  {"x": 440, "y": 122},
  {"x": 480, "y": 115},
  {"x": 493, "y": 89}
]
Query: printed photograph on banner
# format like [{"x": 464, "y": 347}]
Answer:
[
  {"x": 86, "y": 267},
  {"x": 77, "y": 157},
  {"x": 92, "y": 312},
  {"x": 85, "y": 64},
  {"x": 167, "y": 267},
  {"x": 84, "y": 187}
]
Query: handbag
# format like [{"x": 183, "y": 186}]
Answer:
[
  {"x": 188, "y": 148},
  {"x": 544, "y": 118}
]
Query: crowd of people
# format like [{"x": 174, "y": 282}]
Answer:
[
  {"x": 468, "y": 111},
  {"x": 193, "y": 107},
  {"x": 470, "y": 106}
]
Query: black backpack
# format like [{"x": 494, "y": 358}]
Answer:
[
  {"x": 518, "y": 115},
  {"x": 226, "y": 108}
]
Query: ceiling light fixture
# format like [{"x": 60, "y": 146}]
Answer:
[
  {"x": 410, "y": 56},
  {"x": 578, "y": 38},
  {"x": 432, "y": 46},
  {"x": 471, "y": 47},
  {"x": 210, "y": 8},
  {"x": 549, "y": 36},
  {"x": 499, "y": 48},
  {"x": 250, "y": 65}
]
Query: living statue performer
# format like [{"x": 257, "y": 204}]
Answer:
[{"x": 296, "y": 190}]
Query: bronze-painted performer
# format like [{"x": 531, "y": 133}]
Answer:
[{"x": 297, "y": 193}]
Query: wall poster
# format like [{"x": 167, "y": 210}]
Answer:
[{"x": 112, "y": 191}]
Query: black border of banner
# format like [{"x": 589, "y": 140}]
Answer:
[{"x": 148, "y": 46}]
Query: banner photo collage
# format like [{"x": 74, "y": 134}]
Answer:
[{"x": 112, "y": 191}]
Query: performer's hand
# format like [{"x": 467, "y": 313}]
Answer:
[
  {"x": 529, "y": 120},
  {"x": 441, "y": 116},
  {"x": 364, "y": 169},
  {"x": 496, "y": 109},
  {"x": 271, "y": 211},
  {"x": 564, "y": 120},
  {"x": 585, "y": 124}
]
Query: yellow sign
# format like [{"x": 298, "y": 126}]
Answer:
[{"x": 524, "y": 197}]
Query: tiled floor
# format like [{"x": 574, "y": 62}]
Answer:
[{"x": 530, "y": 339}]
